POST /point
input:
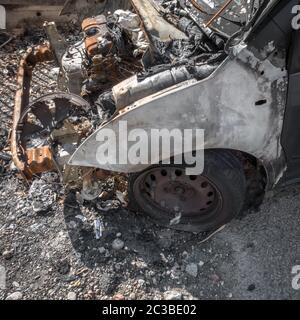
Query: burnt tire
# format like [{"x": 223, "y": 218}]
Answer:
[{"x": 223, "y": 176}]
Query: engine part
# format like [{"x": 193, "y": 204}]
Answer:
[
  {"x": 96, "y": 36},
  {"x": 132, "y": 89},
  {"x": 102, "y": 59},
  {"x": 132, "y": 25},
  {"x": 72, "y": 66}
]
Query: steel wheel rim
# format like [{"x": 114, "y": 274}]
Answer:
[{"x": 169, "y": 190}]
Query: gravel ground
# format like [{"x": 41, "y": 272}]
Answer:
[{"x": 48, "y": 248}]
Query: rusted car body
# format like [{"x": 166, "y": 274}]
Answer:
[{"x": 237, "y": 81}]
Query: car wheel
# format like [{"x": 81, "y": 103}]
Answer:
[{"x": 191, "y": 203}]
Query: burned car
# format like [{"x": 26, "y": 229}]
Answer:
[{"x": 227, "y": 67}]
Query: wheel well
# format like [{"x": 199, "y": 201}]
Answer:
[{"x": 256, "y": 177}]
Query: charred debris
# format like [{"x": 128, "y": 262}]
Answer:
[{"x": 153, "y": 46}]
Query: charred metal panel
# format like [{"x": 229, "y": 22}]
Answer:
[{"x": 276, "y": 26}]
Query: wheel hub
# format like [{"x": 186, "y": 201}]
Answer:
[{"x": 172, "y": 191}]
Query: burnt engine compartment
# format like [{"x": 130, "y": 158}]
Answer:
[{"x": 121, "y": 46}]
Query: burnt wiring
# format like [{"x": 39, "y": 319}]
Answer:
[{"x": 201, "y": 9}]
